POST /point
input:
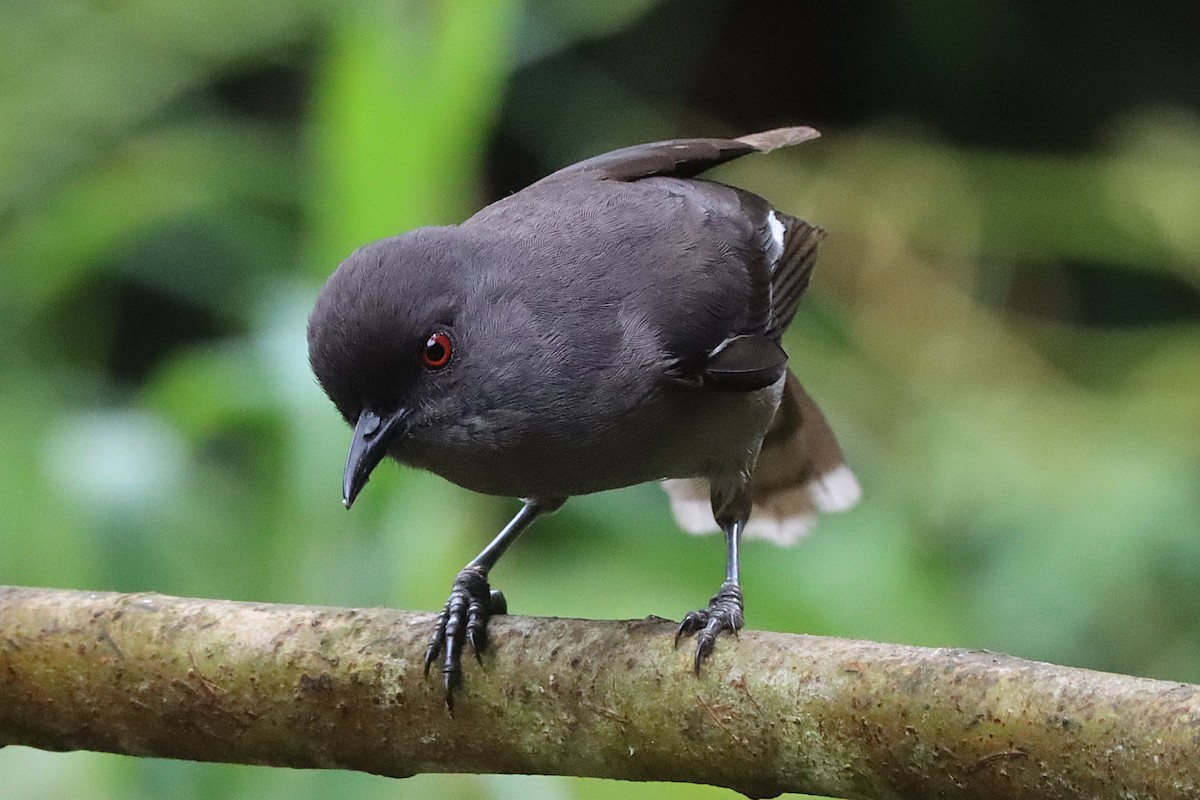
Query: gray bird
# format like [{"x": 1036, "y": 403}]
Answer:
[{"x": 616, "y": 322}]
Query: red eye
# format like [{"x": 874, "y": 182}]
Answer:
[{"x": 437, "y": 351}]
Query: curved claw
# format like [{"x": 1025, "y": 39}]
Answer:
[
  {"x": 724, "y": 613},
  {"x": 692, "y": 622},
  {"x": 437, "y": 641},
  {"x": 464, "y": 618}
]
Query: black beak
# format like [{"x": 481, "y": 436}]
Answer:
[{"x": 373, "y": 435}]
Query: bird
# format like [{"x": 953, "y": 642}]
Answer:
[{"x": 617, "y": 322}]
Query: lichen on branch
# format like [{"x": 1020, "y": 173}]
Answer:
[{"x": 295, "y": 686}]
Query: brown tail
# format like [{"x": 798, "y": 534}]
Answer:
[{"x": 800, "y": 472}]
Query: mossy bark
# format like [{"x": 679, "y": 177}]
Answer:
[{"x": 209, "y": 680}]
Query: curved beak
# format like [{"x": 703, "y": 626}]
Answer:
[{"x": 373, "y": 435}]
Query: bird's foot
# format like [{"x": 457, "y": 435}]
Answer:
[
  {"x": 472, "y": 602},
  {"x": 724, "y": 613}
]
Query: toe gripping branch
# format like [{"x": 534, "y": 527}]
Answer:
[
  {"x": 725, "y": 612},
  {"x": 472, "y": 602}
]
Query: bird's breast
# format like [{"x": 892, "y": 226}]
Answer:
[{"x": 678, "y": 432}]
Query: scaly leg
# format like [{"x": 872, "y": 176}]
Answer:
[
  {"x": 472, "y": 600},
  {"x": 726, "y": 609}
]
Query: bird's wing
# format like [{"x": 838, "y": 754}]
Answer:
[
  {"x": 683, "y": 158},
  {"x": 778, "y": 253},
  {"x": 745, "y": 363},
  {"x": 732, "y": 341},
  {"x": 779, "y": 259}
]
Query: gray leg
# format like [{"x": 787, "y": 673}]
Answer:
[
  {"x": 725, "y": 610},
  {"x": 472, "y": 600}
]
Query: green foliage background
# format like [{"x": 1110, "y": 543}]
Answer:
[{"x": 1030, "y": 450}]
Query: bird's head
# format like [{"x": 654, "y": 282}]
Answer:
[{"x": 383, "y": 343}]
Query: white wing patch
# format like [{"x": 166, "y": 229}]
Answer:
[{"x": 775, "y": 250}]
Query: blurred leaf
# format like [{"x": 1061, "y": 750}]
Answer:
[
  {"x": 81, "y": 74},
  {"x": 401, "y": 110},
  {"x": 208, "y": 388},
  {"x": 38, "y": 518},
  {"x": 153, "y": 180}
]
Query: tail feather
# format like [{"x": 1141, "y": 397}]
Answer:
[
  {"x": 766, "y": 141},
  {"x": 800, "y": 472}
]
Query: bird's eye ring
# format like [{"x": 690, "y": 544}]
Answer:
[{"x": 437, "y": 350}]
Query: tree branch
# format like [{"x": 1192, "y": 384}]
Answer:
[{"x": 208, "y": 680}]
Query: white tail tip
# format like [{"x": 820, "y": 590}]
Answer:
[
  {"x": 835, "y": 491},
  {"x": 784, "y": 517}
]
